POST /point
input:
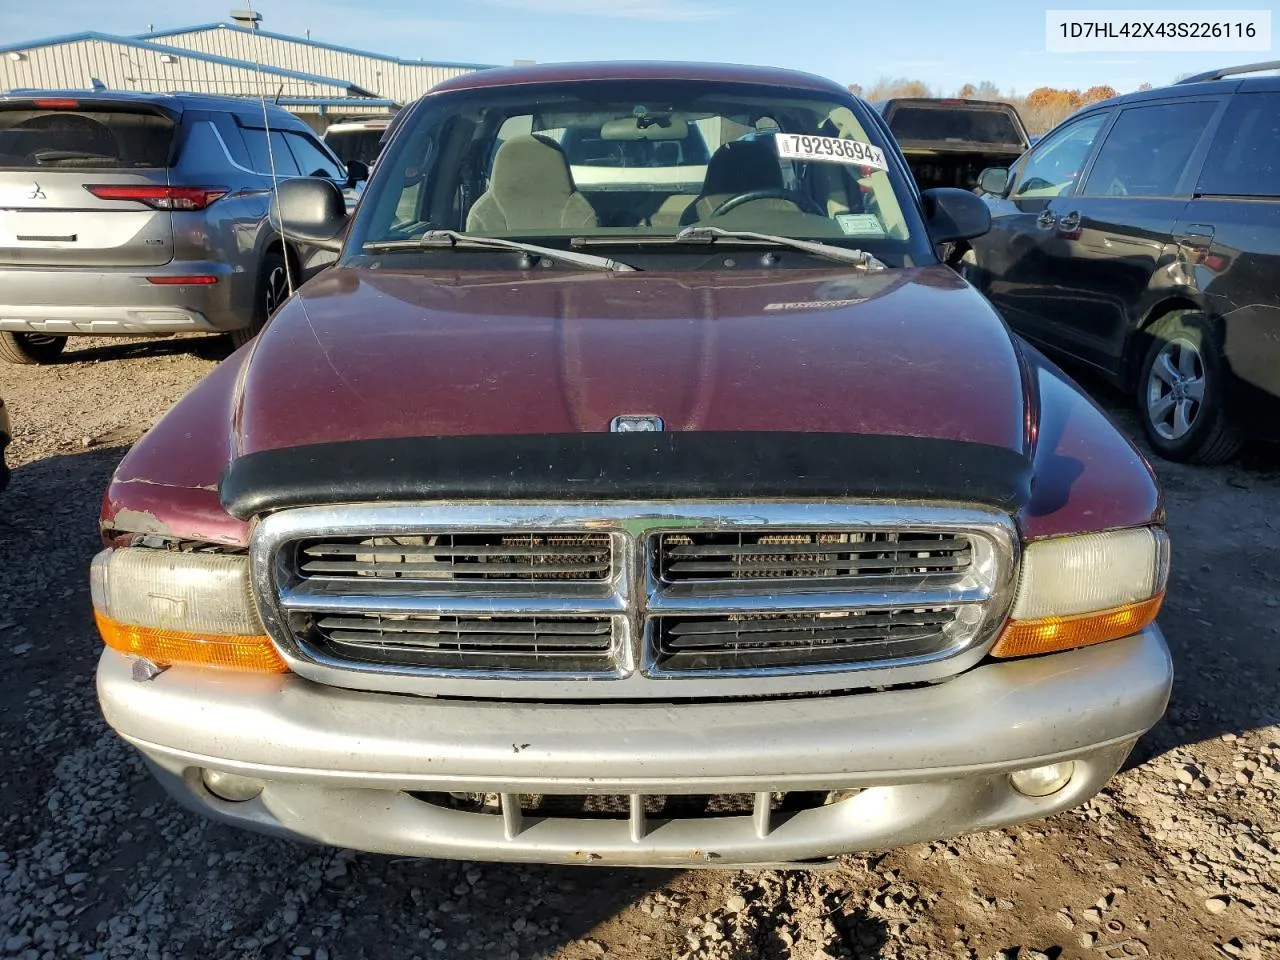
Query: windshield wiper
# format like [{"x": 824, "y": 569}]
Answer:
[
  {"x": 452, "y": 239},
  {"x": 831, "y": 252},
  {"x": 711, "y": 234}
]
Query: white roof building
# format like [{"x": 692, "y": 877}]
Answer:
[{"x": 320, "y": 81}]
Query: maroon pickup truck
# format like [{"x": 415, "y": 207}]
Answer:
[{"x": 638, "y": 488}]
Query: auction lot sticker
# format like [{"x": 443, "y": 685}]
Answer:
[{"x": 795, "y": 146}]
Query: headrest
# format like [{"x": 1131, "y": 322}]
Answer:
[
  {"x": 741, "y": 166},
  {"x": 530, "y": 161}
]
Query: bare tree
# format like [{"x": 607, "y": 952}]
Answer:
[{"x": 887, "y": 88}]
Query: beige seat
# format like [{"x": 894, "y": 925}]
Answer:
[
  {"x": 738, "y": 167},
  {"x": 530, "y": 188}
]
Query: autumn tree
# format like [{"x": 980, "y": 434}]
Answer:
[
  {"x": 1052, "y": 97},
  {"x": 1144, "y": 87},
  {"x": 967, "y": 91},
  {"x": 855, "y": 89},
  {"x": 1097, "y": 93}
]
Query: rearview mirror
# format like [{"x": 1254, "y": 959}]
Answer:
[
  {"x": 955, "y": 214},
  {"x": 310, "y": 211},
  {"x": 357, "y": 172},
  {"x": 994, "y": 180},
  {"x": 645, "y": 128}
]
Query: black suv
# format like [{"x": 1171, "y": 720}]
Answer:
[{"x": 1142, "y": 237}]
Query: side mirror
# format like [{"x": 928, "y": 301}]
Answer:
[
  {"x": 310, "y": 211},
  {"x": 994, "y": 180},
  {"x": 955, "y": 214},
  {"x": 357, "y": 172}
]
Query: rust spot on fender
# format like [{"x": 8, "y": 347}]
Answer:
[{"x": 137, "y": 521}]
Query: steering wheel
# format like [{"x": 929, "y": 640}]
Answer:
[{"x": 806, "y": 204}]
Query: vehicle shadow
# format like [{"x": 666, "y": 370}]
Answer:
[
  {"x": 103, "y": 349},
  {"x": 575, "y": 913}
]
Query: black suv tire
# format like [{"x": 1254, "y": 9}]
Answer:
[
  {"x": 30, "y": 347},
  {"x": 273, "y": 288},
  {"x": 1184, "y": 368}
]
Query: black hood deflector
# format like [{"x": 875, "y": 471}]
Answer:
[{"x": 628, "y": 466}]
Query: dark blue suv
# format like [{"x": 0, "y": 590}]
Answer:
[{"x": 1141, "y": 237}]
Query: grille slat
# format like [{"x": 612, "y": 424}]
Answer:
[
  {"x": 820, "y": 546},
  {"x": 410, "y": 553},
  {"x": 460, "y": 570},
  {"x": 511, "y": 628},
  {"x": 797, "y": 566},
  {"x": 711, "y": 556},
  {"x": 469, "y": 557},
  {"x": 472, "y": 643},
  {"x": 871, "y": 620},
  {"x": 709, "y": 644}
]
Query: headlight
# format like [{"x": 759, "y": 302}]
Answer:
[
  {"x": 1076, "y": 591},
  {"x": 172, "y": 608}
]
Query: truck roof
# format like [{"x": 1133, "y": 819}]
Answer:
[{"x": 637, "y": 70}]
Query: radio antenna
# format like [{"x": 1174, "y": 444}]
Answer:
[{"x": 271, "y": 152}]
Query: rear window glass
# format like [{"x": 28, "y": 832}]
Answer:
[
  {"x": 100, "y": 139},
  {"x": 958, "y": 124},
  {"x": 1245, "y": 158}
]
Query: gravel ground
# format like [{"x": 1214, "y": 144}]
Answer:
[{"x": 1178, "y": 857}]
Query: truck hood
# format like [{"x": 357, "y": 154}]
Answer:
[{"x": 376, "y": 354}]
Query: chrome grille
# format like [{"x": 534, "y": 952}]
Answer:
[
  {"x": 839, "y": 555},
  {"x": 582, "y": 645},
  {"x": 460, "y": 557},
  {"x": 797, "y": 641},
  {"x": 783, "y": 598}
]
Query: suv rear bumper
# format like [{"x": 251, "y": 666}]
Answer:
[
  {"x": 109, "y": 301},
  {"x": 340, "y": 766}
]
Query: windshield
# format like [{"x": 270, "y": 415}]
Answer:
[{"x": 634, "y": 160}]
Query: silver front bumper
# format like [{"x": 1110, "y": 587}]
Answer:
[{"x": 340, "y": 766}]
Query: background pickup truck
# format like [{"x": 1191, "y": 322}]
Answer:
[{"x": 947, "y": 143}]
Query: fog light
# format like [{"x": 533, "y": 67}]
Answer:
[
  {"x": 231, "y": 786},
  {"x": 1042, "y": 781}
]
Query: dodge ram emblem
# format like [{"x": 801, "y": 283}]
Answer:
[{"x": 636, "y": 424}]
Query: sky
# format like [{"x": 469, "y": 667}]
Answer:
[{"x": 946, "y": 44}]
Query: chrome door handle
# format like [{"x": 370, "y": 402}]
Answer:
[
  {"x": 1046, "y": 219},
  {"x": 1070, "y": 222}
]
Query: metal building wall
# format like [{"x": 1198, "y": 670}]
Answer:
[
  {"x": 74, "y": 65},
  {"x": 397, "y": 80}
]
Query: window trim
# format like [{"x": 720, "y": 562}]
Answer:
[{"x": 1184, "y": 188}]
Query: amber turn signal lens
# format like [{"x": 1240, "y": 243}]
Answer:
[
  {"x": 1025, "y": 638},
  {"x": 167, "y": 647}
]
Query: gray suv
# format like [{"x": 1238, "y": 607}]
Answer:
[{"x": 132, "y": 214}]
